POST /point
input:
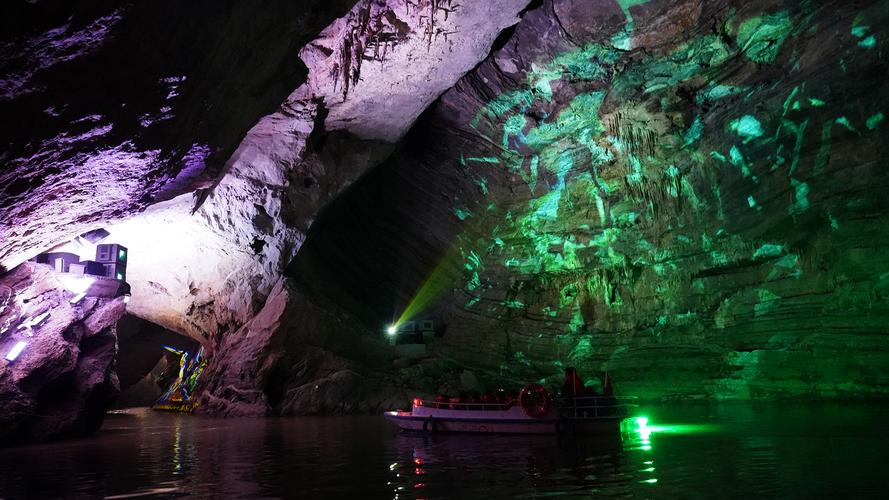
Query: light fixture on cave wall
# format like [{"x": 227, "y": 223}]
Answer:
[
  {"x": 85, "y": 267},
  {"x": 88, "y": 266},
  {"x": 410, "y": 338}
]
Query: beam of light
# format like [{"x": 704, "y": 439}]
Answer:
[
  {"x": 76, "y": 284},
  {"x": 440, "y": 279},
  {"x": 642, "y": 431},
  {"x": 79, "y": 246},
  {"x": 16, "y": 350}
]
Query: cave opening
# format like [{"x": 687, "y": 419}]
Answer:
[{"x": 146, "y": 367}]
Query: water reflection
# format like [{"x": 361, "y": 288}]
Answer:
[
  {"x": 441, "y": 465},
  {"x": 679, "y": 452}
]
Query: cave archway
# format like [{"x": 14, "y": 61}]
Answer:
[{"x": 144, "y": 367}]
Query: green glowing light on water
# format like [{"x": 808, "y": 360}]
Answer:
[
  {"x": 874, "y": 120},
  {"x": 641, "y": 427},
  {"x": 649, "y": 481}
]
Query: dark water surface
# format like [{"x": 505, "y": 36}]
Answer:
[{"x": 732, "y": 450}]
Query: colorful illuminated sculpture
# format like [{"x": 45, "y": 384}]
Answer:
[{"x": 179, "y": 396}]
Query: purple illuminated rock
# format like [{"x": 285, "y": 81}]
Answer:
[
  {"x": 65, "y": 379},
  {"x": 108, "y": 110}
]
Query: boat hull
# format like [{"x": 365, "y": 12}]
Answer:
[{"x": 481, "y": 425}]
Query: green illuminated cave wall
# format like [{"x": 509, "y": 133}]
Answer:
[
  {"x": 690, "y": 196},
  {"x": 698, "y": 218}
]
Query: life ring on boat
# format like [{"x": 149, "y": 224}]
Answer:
[
  {"x": 535, "y": 400},
  {"x": 429, "y": 425}
]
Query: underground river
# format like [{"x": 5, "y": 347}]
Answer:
[{"x": 681, "y": 451}]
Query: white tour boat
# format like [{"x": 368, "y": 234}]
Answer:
[{"x": 533, "y": 411}]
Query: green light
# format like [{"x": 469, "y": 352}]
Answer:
[
  {"x": 120, "y": 276},
  {"x": 392, "y": 330},
  {"x": 868, "y": 43},
  {"x": 439, "y": 280},
  {"x": 761, "y": 37},
  {"x": 121, "y": 254},
  {"x": 747, "y": 127}
]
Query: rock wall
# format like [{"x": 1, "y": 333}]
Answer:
[
  {"x": 297, "y": 357},
  {"x": 145, "y": 369},
  {"x": 111, "y": 106},
  {"x": 65, "y": 379},
  {"x": 206, "y": 269},
  {"x": 686, "y": 194},
  {"x": 204, "y": 263}
]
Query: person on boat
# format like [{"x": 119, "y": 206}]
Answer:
[
  {"x": 572, "y": 386},
  {"x": 608, "y": 402}
]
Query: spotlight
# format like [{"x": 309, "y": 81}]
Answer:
[
  {"x": 76, "y": 284},
  {"x": 392, "y": 330},
  {"x": 16, "y": 350}
]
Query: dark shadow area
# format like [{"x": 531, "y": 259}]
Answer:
[
  {"x": 373, "y": 248},
  {"x": 169, "y": 76},
  {"x": 144, "y": 367}
]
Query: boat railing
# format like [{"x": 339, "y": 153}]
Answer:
[
  {"x": 571, "y": 407},
  {"x": 595, "y": 406},
  {"x": 459, "y": 404}
]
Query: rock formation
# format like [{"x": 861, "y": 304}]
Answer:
[
  {"x": 64, "y": 380},
  {"x": 112, "y": 108},
  {"x": 684, "y": 193},
  {"x": 144, "y": 367}
]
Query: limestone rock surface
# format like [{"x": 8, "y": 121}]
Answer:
[
  {"x": 686, "y": 194},
  {"x": 65, "y": 379}
]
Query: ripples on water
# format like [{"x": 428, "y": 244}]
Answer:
[{"x": 682, "y": 452}]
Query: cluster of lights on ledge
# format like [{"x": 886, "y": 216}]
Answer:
[{"x": 71, "y": 262}]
